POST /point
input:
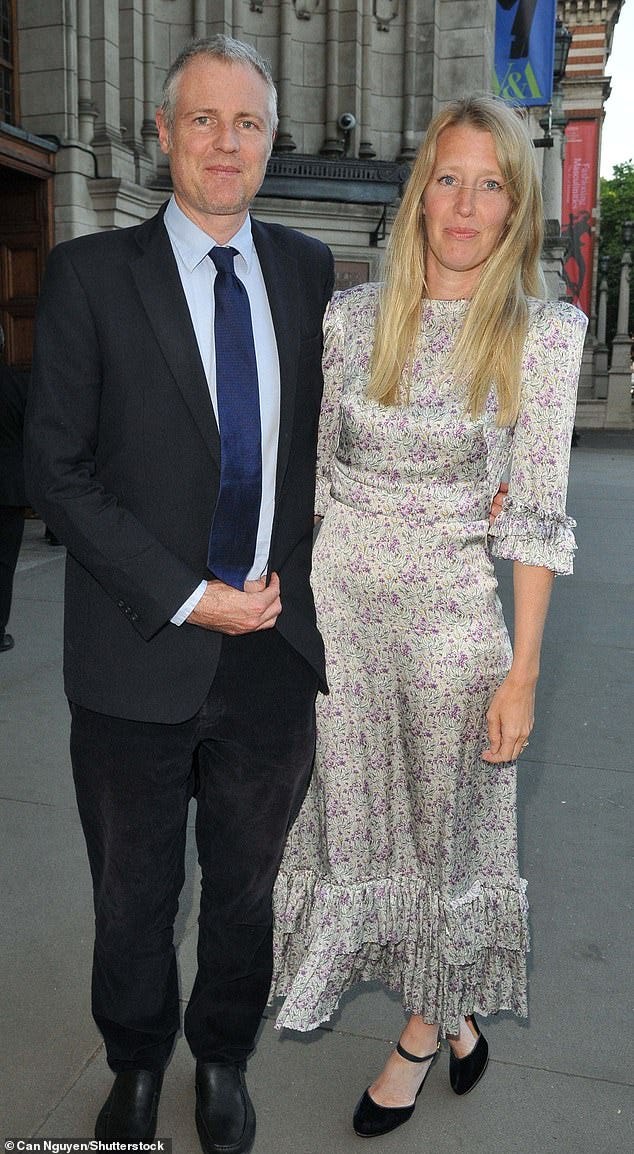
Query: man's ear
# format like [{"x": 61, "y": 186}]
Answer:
[{"x": 163, "y": 131}]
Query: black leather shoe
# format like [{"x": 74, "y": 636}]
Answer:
[
  {"x": 370, "y": 1120},
  {"x": 6, "y": 642},
  {"x": 129, "y": 1112},
  {"x": 225, "y": 1117},
  {"x": 465, "y": 1073}
]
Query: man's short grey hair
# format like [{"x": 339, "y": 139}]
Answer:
[{"x": 216, "y": 48}]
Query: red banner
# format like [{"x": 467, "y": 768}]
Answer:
[{"x": 578, "y": 209}]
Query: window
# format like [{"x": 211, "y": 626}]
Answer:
[{"x": 7, "y": 62}]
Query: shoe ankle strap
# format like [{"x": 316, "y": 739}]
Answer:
[{"x": 415, "y": 1057}]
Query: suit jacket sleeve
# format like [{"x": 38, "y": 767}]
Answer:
[{"x": 65, "y": 421}]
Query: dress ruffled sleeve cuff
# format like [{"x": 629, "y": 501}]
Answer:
[{"x": 534, "y": 537}]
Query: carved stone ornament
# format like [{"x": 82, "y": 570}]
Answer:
[
  {"x": 304, "y": 9},
  {"x": 384, "y": 12}
]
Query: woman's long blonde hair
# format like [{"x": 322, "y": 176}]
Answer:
[{"x": 488, "y": 349}]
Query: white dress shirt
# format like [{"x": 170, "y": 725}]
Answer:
[{"x": 197, "y": 271}]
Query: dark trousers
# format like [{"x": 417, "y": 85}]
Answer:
[
  {"x": 11, "y": 530},
  {"x": 247, "y": 755}
]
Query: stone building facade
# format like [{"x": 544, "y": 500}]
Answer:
[
  {"x": 586, "y": 89},
  {"x": 357, "y": 80}
]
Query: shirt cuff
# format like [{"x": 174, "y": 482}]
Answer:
[{"x": 186, "y": 608}]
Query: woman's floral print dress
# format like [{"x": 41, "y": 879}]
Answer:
[{"x": 402, "y": 865}]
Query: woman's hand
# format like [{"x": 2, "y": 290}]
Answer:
[
  {"x": 510, "y": 719},
  {"x": 498, "y": 502},
  {"x": 512, "y": 711}
]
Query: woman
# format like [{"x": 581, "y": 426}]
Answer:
[{"x": 403, "y": 863}]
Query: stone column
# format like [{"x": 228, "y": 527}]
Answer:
[
  {"x": 408, "y": 139},
  {"x": 284, "y": 140},
  {"x": 236, "y": 30},
  {"x": 333, "y": 144},
  {"x": 601, "y": 350},
  {"x": 113, "y": 158},
  {"x": 200, "y": 18},
  {"x": 552, "y": 185},
  {"x": 137, "y": 95},
  {"x": 149, "y": 131},
  {"x": 71, "y": 101},
  {"x": 619, "y": 405},
  {"x": 366, "y": 148},
  {"x": 86, "y": 108}
]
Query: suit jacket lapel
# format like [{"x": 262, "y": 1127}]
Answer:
[
  {"x": 170, "y": 319},
  {"x": 282, "y": 286},
  {"x": 156, "y": 276}
]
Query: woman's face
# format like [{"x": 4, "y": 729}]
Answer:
[{"x": 466, "y": 207}]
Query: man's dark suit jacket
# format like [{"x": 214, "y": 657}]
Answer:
[{"x": 122, "y": 454}]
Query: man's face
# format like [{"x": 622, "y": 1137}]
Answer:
[{"x": 219, "y": 143}]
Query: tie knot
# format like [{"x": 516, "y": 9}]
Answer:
[{"x": 223, "y": 258}]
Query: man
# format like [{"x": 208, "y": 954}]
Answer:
[
  {"x": 187, "y": 670},
  {"x": 12, "y": 498}
]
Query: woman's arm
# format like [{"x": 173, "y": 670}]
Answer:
[
  {"x": 329, "y": 417},
  {"x": 511, "y": 713},
  {"x": 533, "y": 528}
]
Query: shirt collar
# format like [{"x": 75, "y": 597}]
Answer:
[{"x": 193, "y": 244}]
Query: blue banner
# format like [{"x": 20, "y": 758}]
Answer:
[{"x": 524, "y": 50}]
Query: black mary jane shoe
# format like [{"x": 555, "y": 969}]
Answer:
[
  {"x": 225, "y": 1118},
  {"x": 465, "y": 1073},
  {"x": 370, "y": 1120},
  {"x": 130, "y": 1110}
]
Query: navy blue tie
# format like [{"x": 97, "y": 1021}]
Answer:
[{"x": 233, "y": 537}]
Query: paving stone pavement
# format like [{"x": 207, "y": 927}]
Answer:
[{"x": 560, "y": 1083}]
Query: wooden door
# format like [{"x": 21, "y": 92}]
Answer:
[{"x": 25, "y": 216}]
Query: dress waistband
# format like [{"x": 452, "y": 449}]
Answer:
[{"x": 434, "y": 503}]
